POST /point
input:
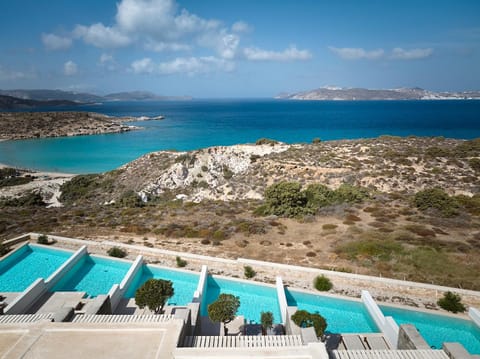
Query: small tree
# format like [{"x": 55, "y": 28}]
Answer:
[
  {"x": 249, "y": 272},
  {"x": 322, "y": 283},
  {"x": 224, "y": 309},
  {"x": 266, "y": 318},
  {"x": 451, "y": 302},
  {"x": 305, "y": 319},
  {"x": 153, "y": 294}
]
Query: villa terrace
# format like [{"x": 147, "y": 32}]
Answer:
[{"x": 42, "y": 322}]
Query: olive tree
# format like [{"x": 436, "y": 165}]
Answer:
[
  {"x": 153, "y": 294},
  {"x": 224, "y": 309}
]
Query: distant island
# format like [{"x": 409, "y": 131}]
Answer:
[
  {"x": 10, "y": 103},
  {"x": 332, "y": 93},
  {"x": 18, "y": 99}
]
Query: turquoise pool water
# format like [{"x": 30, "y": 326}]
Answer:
[
  {"x": 93, "y": 275},
  {"x": 437, "y": 329},
  {"x": 254, "y": 298},
  {"x": 30, "y": 262},
  {"x": 342, "y": 315},
  {"x": 184, "y": 283}
]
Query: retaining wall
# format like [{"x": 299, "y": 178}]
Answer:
[
  {"x": 282, "y": 299},
  {"x": 65, "y": 267}
]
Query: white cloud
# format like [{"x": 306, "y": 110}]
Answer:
[
  {"x": 106, "y": 58},
  {"x": 413, "y": 54},
  {"x": 289, "y": 54},
  {"x": 9, "y": 75},
  {"x": 108, "y": 62},
  {"x": 55, "y": 42},
  {"x": 356, "y": 53},
  {"x": 70, "y": 68},
  {"x": 159, "y": 46},
  {"x": 182, "y": 65},
  {"x": 101, "y": 36},
  {"x": 143, "y": 66},
  {"x": 241, "y": 27}
]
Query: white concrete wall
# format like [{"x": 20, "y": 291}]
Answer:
[
  {"x": 282, "y": 298},
  {"x": 202, "y": 284},
  {"x": 387, "y": 325},
  {"x": 25, "y": 300},
  {"x": 474, "y": 314},
  {"x": 118, "y": 290},
  {"x": 115, "y": 295},
  {"x": 65, "y": 267}
]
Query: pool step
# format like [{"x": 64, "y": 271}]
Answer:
[
  {"x": 106, "y": 318},
  {"x": 390, "y": 354},
  {"x": 243, "y": 341}
]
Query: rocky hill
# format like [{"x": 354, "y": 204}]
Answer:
[
  {"x": 331, "y": 93},
  {"x": 23, "y": 125}
]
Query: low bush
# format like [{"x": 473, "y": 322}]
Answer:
[
  {"x": 305, "y": 319},
  {"x": 42, "y": 239},
  {"x": 11, "y": 177},
  {"x": 180, "y": 262},
  {"x": 451, "y": 302},
  {"x": 117, "y": 252},
  {"x": 437, "y": 199},
  {"x": 329, "y": 226},
  {"x": 322, "y": 283},
  {"x": 249, "y": 272},
  {"x": 266, "y": 141},
  {"x": 30, "y": 199}
]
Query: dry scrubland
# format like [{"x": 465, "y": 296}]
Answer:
[{"x": 212, "y": 202}]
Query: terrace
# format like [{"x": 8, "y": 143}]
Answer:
[{"x": 356, "y": 326}]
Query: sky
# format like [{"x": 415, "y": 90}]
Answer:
[{"x": 238, "y": 48}]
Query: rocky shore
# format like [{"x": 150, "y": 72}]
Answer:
[{"x": 25, "y": 125}]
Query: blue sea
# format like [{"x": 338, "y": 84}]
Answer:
[{"x": 190, "y": 125}]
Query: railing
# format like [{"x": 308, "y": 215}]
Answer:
[
  {"x": 247, "y": 341},
  {"x": 105, "y": 318}
]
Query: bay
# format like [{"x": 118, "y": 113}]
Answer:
[{"x": 195, "y": 124}]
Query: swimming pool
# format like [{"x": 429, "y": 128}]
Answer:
[
  {"x": 93, "y": 275},
  {"x": 254, "y": 298},
  {"x": 184, "y": 283},
  {"x": 437, "y": 329},
  {"x": 342, "y": 315},
  {"x": 28, "y": 263}
]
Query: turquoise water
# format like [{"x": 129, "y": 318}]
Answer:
[
  {"x": 254, "y": 298},
  {"x": 30, "y": 262},
  {"x": 342, "y": 315},
  {"x": 437, "y": 329},
  {"x": 202, "y": 123},
  {"x": 184, "y": 284},
  {"x": 93, "y": 275}
]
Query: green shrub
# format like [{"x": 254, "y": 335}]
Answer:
[
  {"x": 249, "y": 272},
  {"x": 78, "y": 187},
  {"x": 42, "y": 239},
  {"x": 130, "y": 199},
  {"x": 305, "y": 319},
  {"x": 227, "y": 173},
  {"x": 117, "y": 252},
  {"x": 266, "y": 141},
  {"x": 350, "y": 194},
  {"x": 30, "y": 199},
  {"x": 438, "y": 199},
  {"x": 180, "y": 262},
  {"x": 319, "y": 195},
  {"x": 322, "y": 283},
  {"x": 329, "y": 226},
  {"x": 266, "y": 319},
  {"x": 285, "y": 199},
  {"x": 451, "y": 302},
  {"x": 224, "y": 309},
  {"x": 316, "y": 140}
]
